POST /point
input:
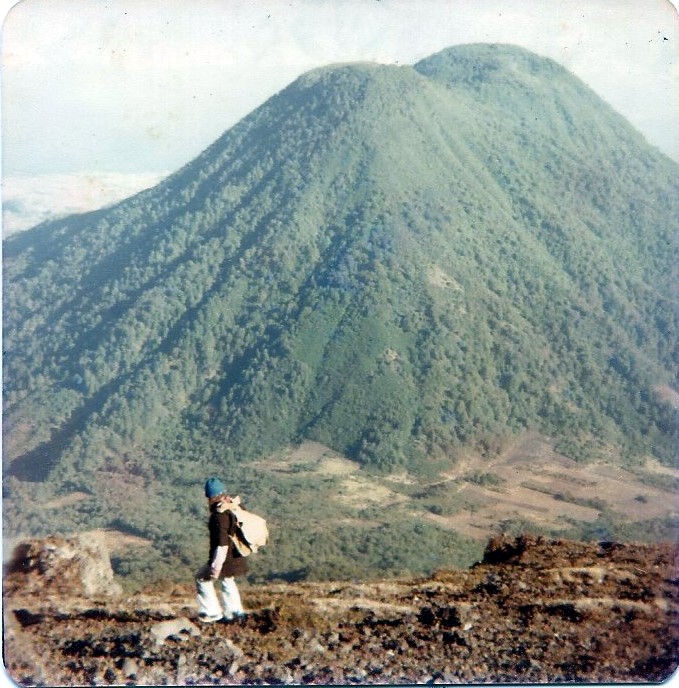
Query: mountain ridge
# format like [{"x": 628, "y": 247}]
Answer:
[{"x": 532, "y": 610}]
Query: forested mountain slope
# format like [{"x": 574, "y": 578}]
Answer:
[{"x": 394, "y": 261}]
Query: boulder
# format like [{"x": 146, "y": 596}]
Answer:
[
  {"x": 173, "y": 627},
  {"x": 78, "y": 565}
]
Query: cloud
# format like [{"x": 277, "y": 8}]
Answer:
[{"x": 28, "y": 201}]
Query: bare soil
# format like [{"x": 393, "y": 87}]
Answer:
[{"x": 534, "y": 610}]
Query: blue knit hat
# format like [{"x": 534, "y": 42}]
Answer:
[{"x": 214, "y": 487}]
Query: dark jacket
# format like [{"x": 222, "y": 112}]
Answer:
[{"x": 221, "y": 525}]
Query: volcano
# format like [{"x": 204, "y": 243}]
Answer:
[{"x": 397, "y": 262}]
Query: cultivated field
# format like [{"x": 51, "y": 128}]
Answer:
[{"x": 527, "y": 481}]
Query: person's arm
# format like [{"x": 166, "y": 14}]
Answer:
[{"x": 218, "y": 560}]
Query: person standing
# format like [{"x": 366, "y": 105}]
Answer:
[{"x": 224, "y": 563}]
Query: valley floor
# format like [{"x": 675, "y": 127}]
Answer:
[{"x": 534, "y": 610}]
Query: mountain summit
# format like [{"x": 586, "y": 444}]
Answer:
[{"x": 397, "y": 262}]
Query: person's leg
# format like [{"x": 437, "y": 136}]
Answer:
[
  {"x": 231, "y": 600},
  {"x": 209, "y": 608}
]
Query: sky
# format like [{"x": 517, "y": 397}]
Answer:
[{"x": 143, "y": 86}]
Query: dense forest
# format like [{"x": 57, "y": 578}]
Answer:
[{"x": 396, "y": 262}]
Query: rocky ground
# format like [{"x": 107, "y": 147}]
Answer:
[{"x": 533, "y": 611}]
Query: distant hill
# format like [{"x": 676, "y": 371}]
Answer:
[{"x": 397, "y": 262}]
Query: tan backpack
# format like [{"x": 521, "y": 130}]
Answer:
[{"x": 252, "y": 530}]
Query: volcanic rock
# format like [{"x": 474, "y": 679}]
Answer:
[
  {"x": 78, "y": 565},
  {"x": 535, "y": 610}
]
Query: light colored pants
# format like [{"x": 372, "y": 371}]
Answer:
[{"x": 208, "y": 602}]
